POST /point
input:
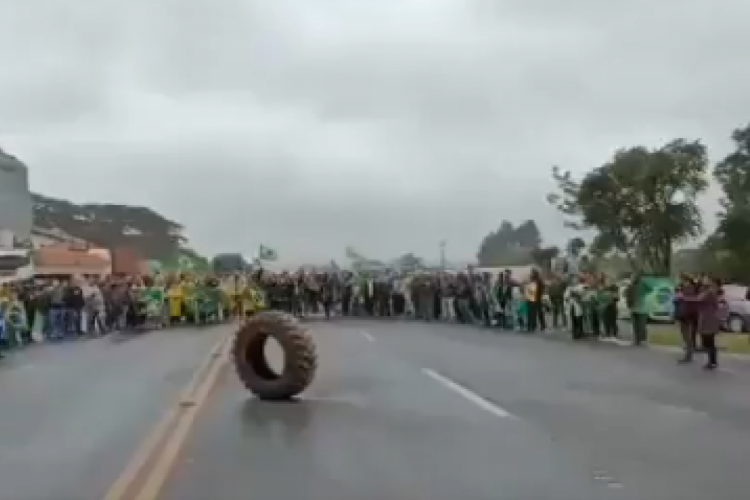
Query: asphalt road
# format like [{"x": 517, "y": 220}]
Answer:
[
  {"x": 416, "y": 411},
  {"x": 399, "y": 410},
  {"x": 71, "y": 414}
]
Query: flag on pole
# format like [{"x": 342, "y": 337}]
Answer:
[
  {"x": 267, "y": 253},
  {"x": 183, "y": 261}
]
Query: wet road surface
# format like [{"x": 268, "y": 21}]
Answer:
[
  {"x": 431, "y": 411},
  {"x": 72, "y": 413}
]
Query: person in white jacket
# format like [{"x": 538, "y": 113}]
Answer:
[
  {"x": 94, "y": 308},
  {"x": 574, "y": 305}
]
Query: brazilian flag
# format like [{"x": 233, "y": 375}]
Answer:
[{"x": 185, "y": 261}]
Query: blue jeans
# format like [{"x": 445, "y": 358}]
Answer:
[
  {"x": 56, "y": 321},
  {"x": 73, "y": 322},
  {"x": 46, "y": 319}
]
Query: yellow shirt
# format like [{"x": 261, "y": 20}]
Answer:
[
  {"x": 175, "y": 292},
  {"x": 530, "y": 290}
]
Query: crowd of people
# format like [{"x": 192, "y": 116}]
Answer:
[
  {"x": 701, "y": 311},
  {"x": 465, "y": 297},
  {"x": 71, "y": 308},
  {"x": 586, "y": 307}
]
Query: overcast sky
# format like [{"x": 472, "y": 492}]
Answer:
[{"x": 387, "y": 125}]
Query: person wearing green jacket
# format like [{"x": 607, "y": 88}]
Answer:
[
  {"x": 591, "y": 311},
  {"x": 14, "y": 321},
  {"x": 636, "y": 297}
]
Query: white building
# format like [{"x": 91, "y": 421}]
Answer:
[
  {"x": 16, "y": 206},
  {"x": 41, "y": 238}
]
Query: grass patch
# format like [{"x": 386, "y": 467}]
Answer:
[{"x": 727, "y": 342}]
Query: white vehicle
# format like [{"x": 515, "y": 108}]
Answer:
[
  {"x": 738, "y": 320},
  {"x": 15, "y": 265}
]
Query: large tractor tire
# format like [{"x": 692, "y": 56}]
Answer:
[{"x": 253, "y": 369}]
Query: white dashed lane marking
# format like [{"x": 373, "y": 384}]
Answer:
[
  {"x": 604, "y": 477},
  {"x": 467, "y": 394}
]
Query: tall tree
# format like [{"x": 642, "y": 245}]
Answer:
[
  {"x": 495, "y": 246},
  {"x": 527, "y": 235},
  {"x": 112, "y": 226},
  {"x": 575, "y": 246},
  {"x": 640, "y": 203},
  {"x": 229, "y": 263},
  {"x": 409, "y": 262},
  {"x": 509, "y": 245},
  {"x": 729, "y": 247},
  {"x": 544, "y": 256}
]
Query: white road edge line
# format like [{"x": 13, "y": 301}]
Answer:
[
  {"x": 620, "y": 342},
  {"x": 367, "y": 336},
  {"x": 467, "y": 394}
]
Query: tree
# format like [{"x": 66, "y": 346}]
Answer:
[
  {"x": 587, "y": 264},
  {"x": 640, "y": 203},
  {"x": 691, "y": 261},
  {"x": 185, "y": 260},
  {"x": 729, "y": 247},
  {"x": 111, "y": 226},
  {"x": 509, "y": 245},
  {"x": 229, "y": 263},
  {"x": 544, "y": 256},
  {"x": 360, "y": 263},
  {"x": 527, "y": 235},
  {"x": 575, "y": 246},
  {"x": 409, "y": 261}
]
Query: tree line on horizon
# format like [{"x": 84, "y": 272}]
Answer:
[{"x": 641, "y": 206}]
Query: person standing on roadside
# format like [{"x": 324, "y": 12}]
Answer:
[
  {"x": 57, "y": 311},
  {"x": 347, "y": 293},
  {"x": 574, "y": 303},
  {"x": 28, "y": 297},
  {"x": 75, "y": 303},
  {"x": 326, "y": 294},
  {"x": 608, "y": 299},
  {"x": 427, "y": 298},
  {"x": 636, "y": 301},
  {"x": 95, "y": 309},
  {"x": 686, "y": 314},
  {"x": 557, "y": 301},
  {"x": 398, "y": 285},
  {"x": 535, "y": 292},
  {"x": 447, "y": 297},
  {"x": 43, "y": 304},
  {"x": 711, "y": 314},
  {"x": 464, "y": 313},
  {"x": 504, "y": 293}
]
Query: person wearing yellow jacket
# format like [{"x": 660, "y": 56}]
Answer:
[
  {"x": 231, "y": 296},
  {"x": 176, "y": 301},
  {"x": 13, "y": 318},
  {"x": 253, "y": 300}
]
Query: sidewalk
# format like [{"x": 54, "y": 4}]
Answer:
[{"x": 662, "y": 344}]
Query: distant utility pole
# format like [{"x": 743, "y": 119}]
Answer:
[{"x": 442, "y": 254}]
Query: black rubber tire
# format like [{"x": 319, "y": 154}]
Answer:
[{"x": 251, "y": 365}]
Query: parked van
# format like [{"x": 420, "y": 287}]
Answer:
[{"x": 738, "y": 303}]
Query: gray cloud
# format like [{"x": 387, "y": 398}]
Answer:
[{"x": 385, "y": 125}]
